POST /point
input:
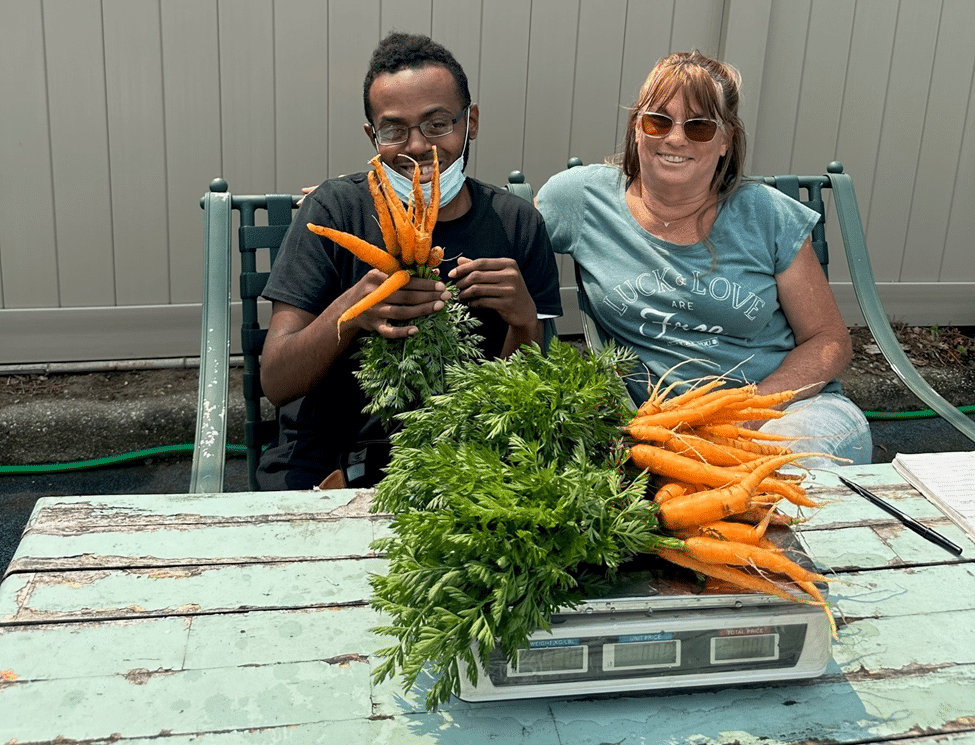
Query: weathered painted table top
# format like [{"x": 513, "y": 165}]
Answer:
[{"x": 244, "y": 618}]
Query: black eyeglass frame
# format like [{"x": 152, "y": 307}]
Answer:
[
  {"x": 420, "y": 126},
  {"x": 645, "y": 117}
]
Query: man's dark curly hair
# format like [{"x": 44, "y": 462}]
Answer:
[{"x": 399, "y": 51}]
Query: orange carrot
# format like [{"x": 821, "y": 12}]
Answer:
[
  {"x": 382, "y": 212},
  {"x": 734, "y": 432},
  {"x": 391, "y": 284},
  {"x": 776, "y": 488},
  {"x": 815, "y": 594},
  {"x": 715, "y": 551},
  {"x": 650, "y": 432},
  {"x": 750, "y": 581},
  {"x": 756, "y": 515},
  {"x": 694, "y": 415},
  {"x": 372, "y": 255},
  {"x": 704, "y": 395},
  {"x": 714, "y": 453},
  {"x": 701, "y": 508},
  {"x": 785, "y": 485},
  {"x": 670, "y": 490},
  {"x": 422, "y": 251},
  {"x": 756, "y": 448},
  {"x": 433, "y": 208},
  {"x": 665, "y": 463},
  {"x": 771, "y": 400},
  {"x": 749, "y": 414},
  {"x": 716, "y": 504},
  {"x": 658, "y": 400},
  {"x": 405, "y": 233},
  {"x": 435, "y": 257},
  {"x": 725, "y": 530},
  {"x": 729, "y": 574},
  {"x": 417, "y": 204}
]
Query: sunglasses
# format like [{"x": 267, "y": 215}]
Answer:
[{"x": 697, "y": 130}]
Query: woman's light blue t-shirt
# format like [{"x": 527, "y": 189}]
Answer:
[{"x": 670, "y": 302}]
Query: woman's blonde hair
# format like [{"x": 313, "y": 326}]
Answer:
[{"x": 713, "y": 86}]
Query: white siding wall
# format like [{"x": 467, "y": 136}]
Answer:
[{"x": 117, "y": 114}]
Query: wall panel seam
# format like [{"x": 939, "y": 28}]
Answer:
[
  {"x": 883, "y": 117},
  {"x": 165, "y": 154},
  {"x": 108, "y": 156},
  {"x": 917, "y": 158},
  {"x": 50, "y": 151}
]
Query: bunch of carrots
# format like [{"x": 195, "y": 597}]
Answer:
[
  {"x": 718, "y": 484},
  {"x": 407, "y": 234}
]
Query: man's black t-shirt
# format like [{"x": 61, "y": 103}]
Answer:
[{"x": 311, "y": 271}]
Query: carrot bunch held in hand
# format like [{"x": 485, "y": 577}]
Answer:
[
  {"x": 398, "y": 374},
  {"x": 407, "y": 234}
]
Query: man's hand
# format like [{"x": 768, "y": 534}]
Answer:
[
  {"x": 496, "y": 284},
  {"x": 421, "y": 297}
]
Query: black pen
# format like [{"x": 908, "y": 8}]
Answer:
[{"x": 922, "y": 530}]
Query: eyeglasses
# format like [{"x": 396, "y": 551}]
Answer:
[
  {"x": 438, "y": 125},
  {"x": 696, "y": 130}
]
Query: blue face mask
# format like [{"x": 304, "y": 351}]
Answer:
[{"x": 451, "y": 180}]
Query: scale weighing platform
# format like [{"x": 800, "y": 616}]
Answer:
[{"x": 656, "y": 629}]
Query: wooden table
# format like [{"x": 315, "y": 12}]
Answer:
[{"x": 245, "y": 617}]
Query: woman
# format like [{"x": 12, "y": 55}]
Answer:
[{"x": 684, "y": 259}]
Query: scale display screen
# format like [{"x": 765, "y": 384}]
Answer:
[
  {"x": 636, "y": 653},
  {"x": 550, "y": 660},
  {"x": 753, "y": 648},
  {"x": 678, "y": 653}
]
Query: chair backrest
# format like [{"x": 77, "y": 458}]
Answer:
[
  {"x": 253, "y": 240},
  {"x": 258, "y": 245},
  {"x": 807, "y": 190}
]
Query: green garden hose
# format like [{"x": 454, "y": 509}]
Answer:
[
  {"x": 922, "y": 414},
  {"x": 111, "y": 460}
]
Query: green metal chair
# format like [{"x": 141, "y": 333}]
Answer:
[
  {"x": 254, "y": 242},
  {"x": 210, "y": 444},
  {"x": 809, "y": 191}
]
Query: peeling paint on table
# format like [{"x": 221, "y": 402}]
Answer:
[{"x": 244, "y": 618}]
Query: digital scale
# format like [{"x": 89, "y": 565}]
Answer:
[{"x": 656, "y": 629}]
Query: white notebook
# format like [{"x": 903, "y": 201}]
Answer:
[{"x": 947, "y": 479}]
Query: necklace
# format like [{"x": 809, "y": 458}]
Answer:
[{"x": 676, "y": 219}]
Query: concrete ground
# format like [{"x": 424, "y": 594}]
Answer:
[{"x": 64, "y": 431}]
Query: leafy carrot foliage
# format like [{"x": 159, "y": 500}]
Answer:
[
  {"x": 398, "y": 375},
  {"x": 507, "y": 506}
]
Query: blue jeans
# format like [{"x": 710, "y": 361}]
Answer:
[{"x": 825, "y": 423}]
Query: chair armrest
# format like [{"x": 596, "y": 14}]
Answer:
[
  {"x": 210, "y": 441},
  {"x": 861, "y": 273}
]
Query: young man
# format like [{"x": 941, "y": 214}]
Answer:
[{"x": 496, "y": 250}]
